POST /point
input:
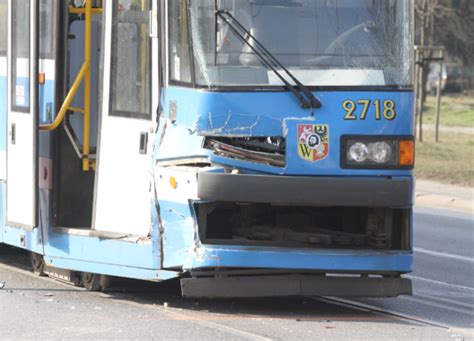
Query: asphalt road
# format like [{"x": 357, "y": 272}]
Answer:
[
  {"x": 443, "y": 277},
  {"x": 442, "y": 307}
]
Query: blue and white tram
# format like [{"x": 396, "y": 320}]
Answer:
[{"x": 250, "y": 147}]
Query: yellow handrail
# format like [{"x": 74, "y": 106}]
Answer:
[
  {"x": 83, "y": 75},
  {"x": 86, "y": 163},
  {"x": 67, "y": 101}
]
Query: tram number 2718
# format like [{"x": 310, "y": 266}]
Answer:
[{"x": 382, "y": 109}]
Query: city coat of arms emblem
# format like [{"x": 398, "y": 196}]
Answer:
[{"x": 313, "y": 141}]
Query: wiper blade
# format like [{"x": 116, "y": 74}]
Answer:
[{"x": 308, "y": 101}]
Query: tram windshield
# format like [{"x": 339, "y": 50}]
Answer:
[{"x": 321, "y": 42}]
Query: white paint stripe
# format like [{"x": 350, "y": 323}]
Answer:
[
  {"x": 437, "y": 305},
  {"x": 432, "y": 281},
  {"x": 444, "y": 255}
]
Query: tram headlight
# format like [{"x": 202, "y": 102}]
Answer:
[
  {"x": 377, "y": 152},
  {"x": 358, "y": 152},
  {"x": 380, "y": 152}
]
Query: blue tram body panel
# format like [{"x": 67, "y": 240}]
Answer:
[
  {"x": 277, "y": 114},
  {"x": 226, "y": 114},
  {"x": 181, "y": 245},
  {"x": 247, "y": 114},
  {"x": 300, "y": 259}
]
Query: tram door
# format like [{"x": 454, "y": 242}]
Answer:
[
  {"x": 122, "y": 202},
  {"x": 22, "y": 113}
]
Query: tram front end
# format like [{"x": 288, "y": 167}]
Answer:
[{"x": 285, "y": 148}]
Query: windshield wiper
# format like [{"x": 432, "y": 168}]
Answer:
[{"x": 308, "y": 101}]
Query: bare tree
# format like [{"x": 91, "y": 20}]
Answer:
[{"x": 449, "y": 23}]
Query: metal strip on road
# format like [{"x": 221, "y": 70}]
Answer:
[
  {"x": 168, "y": 311},
  {"x": 372, "y": 308},
  {"x": 252, "y": 336},
  {"x": 432, "y": 281},
  {"x": 436, "y": 305},
  {"x": 443, "y": 254},
  {"x": 448, "y": 301},
  {"x": 193, "y": 318}
]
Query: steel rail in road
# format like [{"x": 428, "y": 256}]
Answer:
[
  {"x": 194, "y": 318},
  {"x": 402, "y": 316},
  {"x": 381, "y": 311},
  {"x": 209, "y": 323}
]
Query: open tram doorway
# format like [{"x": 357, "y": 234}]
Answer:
[
  {"x": 111, "y": 195},
  {"x": 73, "y": 187}
]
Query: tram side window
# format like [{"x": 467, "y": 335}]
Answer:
[
  {"x": 3, "y": 27},
  {"x": 180, "y": 62},
  {"x": 47, "y": 28},
  {"x": 130, "y": 76},
  {"x": 20, "y": 55}
]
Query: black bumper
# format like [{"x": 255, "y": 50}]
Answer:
[
  {"x": 294, "y": 285},
  {"x": 307, "y": 191}
]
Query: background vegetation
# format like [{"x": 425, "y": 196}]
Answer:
[{"x": 448, "y": 23}]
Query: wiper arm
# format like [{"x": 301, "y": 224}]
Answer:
[{"x": 308, "y": 100}]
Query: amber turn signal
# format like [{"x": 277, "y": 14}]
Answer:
[{"x": 407, "y": 153}]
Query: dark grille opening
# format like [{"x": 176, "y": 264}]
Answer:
[
  {"x": 266, "y": 150},
  {"x": 309, "y": 227}
]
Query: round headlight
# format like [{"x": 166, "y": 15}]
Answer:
[
  {"x": 358, "y": 152},
  {"x": 380, "y": 152}
]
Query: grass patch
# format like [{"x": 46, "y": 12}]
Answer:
[
  {"x": 449, "y": 161},
  {"x": 456, "y": 110}
]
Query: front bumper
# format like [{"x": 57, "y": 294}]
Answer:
[
  {"x": 304, "y": 191},
  {"x": 306, "y": 273},
  {"x": 307, "y": 191},
  {"x": 294, "y": 285}
]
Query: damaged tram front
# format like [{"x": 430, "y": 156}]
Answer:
[{"x": 250, "y": 147}]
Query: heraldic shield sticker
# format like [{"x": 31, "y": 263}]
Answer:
[{"x": 313, "y": 141}]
